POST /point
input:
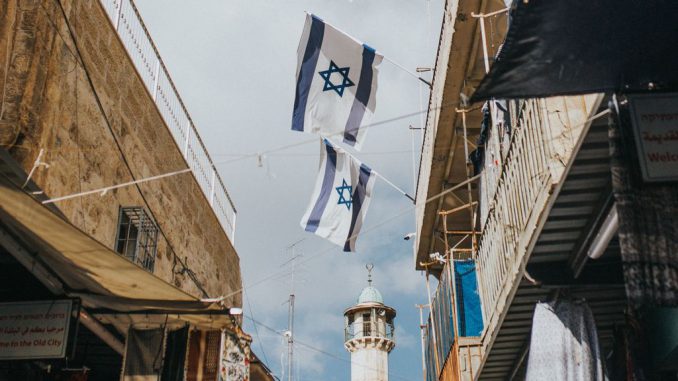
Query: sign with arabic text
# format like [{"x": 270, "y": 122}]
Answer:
[
  {"x": 34, "y": 330},
  {"x": 655, "y": 125}
]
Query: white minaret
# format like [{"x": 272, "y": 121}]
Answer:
[{"x": 369, "y": 334}]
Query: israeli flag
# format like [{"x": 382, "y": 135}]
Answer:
[
  {"x": 336, "y": 83},
  {"x": 342, "y": 194}
]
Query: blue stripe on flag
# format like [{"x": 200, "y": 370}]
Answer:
[
  {"x": 358, "y": 198},
  {"x": 315, "y": 41},
  {"x": 325, "y": 191},
  {"x": 362, "y": 97}
]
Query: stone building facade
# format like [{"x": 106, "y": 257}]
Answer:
[{"x": 69, "y": 90}]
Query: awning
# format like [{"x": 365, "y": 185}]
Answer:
[
  {"x": 556, "y": 47},
  {"x": 104, "y": 280}
]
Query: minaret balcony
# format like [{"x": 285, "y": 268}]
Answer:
[{"x": 358, "y": 330}]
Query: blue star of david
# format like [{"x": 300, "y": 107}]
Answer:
[
  {"x": 342, "y": 200},
  {"x": 327, "y": 74}
]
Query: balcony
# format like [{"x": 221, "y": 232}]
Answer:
[
  {"x": 132, "y": 32},
  {"x": 359, "y": 329},
  {"x": 522, "y": 188}
]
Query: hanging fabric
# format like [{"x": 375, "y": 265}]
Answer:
[
  {"x": 175, "y": 355},
  {"x": 556, "y": 47},
  {"x": 648, "y": 222},
  {"x": 143, "y": 355},
  {"x": 564, "y": 344}
]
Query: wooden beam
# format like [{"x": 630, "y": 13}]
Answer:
[{"x": 454, "y": 210}]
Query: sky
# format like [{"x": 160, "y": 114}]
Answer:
[{"x": 233, "y": 63}]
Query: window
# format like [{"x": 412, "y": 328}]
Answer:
[
  {"x": 367, "y": 326},
  {"x": 137, "y": 237}
]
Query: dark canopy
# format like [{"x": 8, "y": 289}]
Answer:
[{"x": 557, "y": 47}]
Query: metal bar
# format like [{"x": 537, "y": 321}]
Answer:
[
  {"x": 454, "y": 210},
  {"x": 483, "y": 15},
  {"x": 188, "y": 137},
  {"x": 214, "y": 173},
  {"x": 157, "y": 77},
  {"x": 118, "y": 15},
  {"x": 108, "y": 311},
  {"x": 433, "y": 326}
]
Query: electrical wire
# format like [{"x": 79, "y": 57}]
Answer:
[{"x": 256, "y": 330}]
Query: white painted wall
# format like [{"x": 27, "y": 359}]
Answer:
[{"x": 369, "y": 364}]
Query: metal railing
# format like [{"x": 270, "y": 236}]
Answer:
[
  {"x": 525, "y": 178},
  {"x": 358, "y": 330},
  {"x": 142, "y": 51}
]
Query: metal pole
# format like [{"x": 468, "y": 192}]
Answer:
[
  {"x": 188, "y": 136},
  {"x": 156, "y": 80},
  {"x": 290, "y": 339},
  {"x": 213, "y": 186},
  {"x": 433, "y": 326},
  {"x": 290, "y": 318},
  {"x": 423, "y": 340},
  {"x": 118, "y": 15}
]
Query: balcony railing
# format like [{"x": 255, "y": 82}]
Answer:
[
  {"x": 358, "y": 330},
  {"x": 143, "y": 53},
  {"x": 524, "y": 179},
  {"x": 545, "y": 136}
]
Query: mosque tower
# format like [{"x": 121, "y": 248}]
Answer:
[{"x": 369, "y": 334}]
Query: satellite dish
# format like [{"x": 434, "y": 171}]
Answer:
[{"x": 381, "y": 312}]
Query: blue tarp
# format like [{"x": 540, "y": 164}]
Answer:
[{"x": 470, "y": 322}]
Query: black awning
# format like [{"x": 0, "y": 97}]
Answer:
[{"x": 558, "y": 47}]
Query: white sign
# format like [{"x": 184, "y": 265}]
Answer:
[
  {"x": 655, "y": 122},
  {"x": 33, "y": 330}
]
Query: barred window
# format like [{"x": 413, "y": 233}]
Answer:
[
  {"x": 367, "y": 325},
  {"x": 137, "y": 237}
]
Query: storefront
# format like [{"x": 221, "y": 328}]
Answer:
[{"x": 73, "y": 309}]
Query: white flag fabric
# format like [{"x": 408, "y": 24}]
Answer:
[
  {"x": 336, "y": 83},
  {"x": 340, "y": 199}
]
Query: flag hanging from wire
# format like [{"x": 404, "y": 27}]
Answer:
[
  {"x": 340, "y": 199},
  {"x": 336, "y": 83}
]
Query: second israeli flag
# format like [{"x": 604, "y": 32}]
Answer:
[{"x": 340, "y": 199}]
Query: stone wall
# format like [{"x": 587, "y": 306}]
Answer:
[{"x": 102, "y": 129}]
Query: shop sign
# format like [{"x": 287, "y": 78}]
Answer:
[
  {"x": 34, "y": 330},
  {"x": 655, "y": 125}
]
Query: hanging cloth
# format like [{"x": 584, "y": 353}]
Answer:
[
  {"x": 648, "y": 223},
  {"x": 143, "y": 355},
  {"x": 564, "y": 344},
  {"x": 175, "y": 355}
]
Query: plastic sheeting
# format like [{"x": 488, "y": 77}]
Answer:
[
  {"x": 470, "y": 322},
  {"x": 556, "y": 47}
]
